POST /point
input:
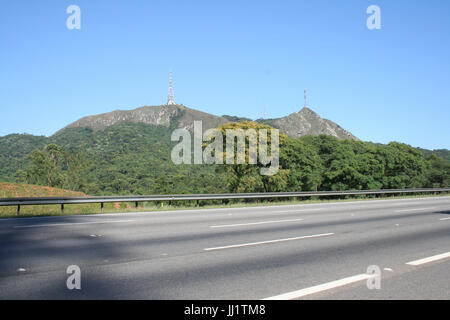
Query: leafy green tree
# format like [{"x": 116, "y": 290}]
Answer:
[
  {"x": 247, "y": 177},
  {"x": 45, "y": 168},
  {"x": 54, "y": 166},
  {"x": 438, "y": 174},
  {"x": 303, "y": 164},
  {"x": 405, "y": 167},
  {"x": 75, "y": 165}
]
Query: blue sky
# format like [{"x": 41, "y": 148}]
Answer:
[{"x": 231, "y": 57}]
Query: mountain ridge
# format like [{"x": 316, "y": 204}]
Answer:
[
  {"x": 307, "y": 122},
  {"x": 297, "y": 124}
]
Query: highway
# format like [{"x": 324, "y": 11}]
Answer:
[{"x": 306, "y": 251}]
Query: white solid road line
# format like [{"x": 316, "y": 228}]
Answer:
[
  {"x": 70, "y": 224},
  {"x": 269, "y": 241},
  {"x": 444, "y": 219},
  {"x": 429, "y": 259},
  {"x": 417, "y": 209},
  {"x": 298, "y": 210},
  {"x": 254, "y": 223},
  {"x": 322, "y": 287}
]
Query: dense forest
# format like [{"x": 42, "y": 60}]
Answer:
[{"x": 134, "y": 158}]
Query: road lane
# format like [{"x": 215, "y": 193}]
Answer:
[
  {"x": 428, "y": 282},
  {"x": 160, "y": 255}
]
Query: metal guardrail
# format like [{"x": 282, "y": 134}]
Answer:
[{"x": 197, "y": 197}]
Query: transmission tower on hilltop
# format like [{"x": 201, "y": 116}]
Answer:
[
  {"x": 170, "y": 100},
  {"x": 304, "y": 96}
]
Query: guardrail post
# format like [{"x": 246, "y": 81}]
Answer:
[
  {"x": 18, "y": 209},
  {"x": 101, "y": 206},
  {"x": 136, "y": 205},
  {"x": 62, "y": 207}
]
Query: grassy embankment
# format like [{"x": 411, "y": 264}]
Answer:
[
  {"x": 10, "y": 190},
  {"x": 13, "y": 190}
]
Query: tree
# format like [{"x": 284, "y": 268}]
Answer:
[
  {"x": 438, "y": 174},
  {"x": 405, "y": 167},
  {"x": 54, "y": 166},
  {"x": 303, "y": 164},
  {"x": 246, "y": 176},
  {"x": 45, "y": 168}
]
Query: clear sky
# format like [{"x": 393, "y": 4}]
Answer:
[{"x": 231, "y": 57}]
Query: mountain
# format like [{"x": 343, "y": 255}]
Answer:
[
  {"x": 305, "y": 122},
  {"x": 140, "y": 138},
  {"x": 442, "y": 153},
  {"x": 177, "y": 116},
  {"x": 129, "y": 152},
  {"x": 236, "y": 119}
]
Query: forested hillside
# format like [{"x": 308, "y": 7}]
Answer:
[
  {"x": 442, "y": 153},
  {"x": 134, "y": 158},
  {"x": 122, "y": 159},
  {"x": 14, "y": 149}
]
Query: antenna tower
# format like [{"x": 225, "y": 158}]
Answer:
[
  {"x": 170, "y": 100},
  {"x": 304, "y": 96}
]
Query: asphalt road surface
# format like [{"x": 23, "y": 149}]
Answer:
[{"x": 380, "y": 249}]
